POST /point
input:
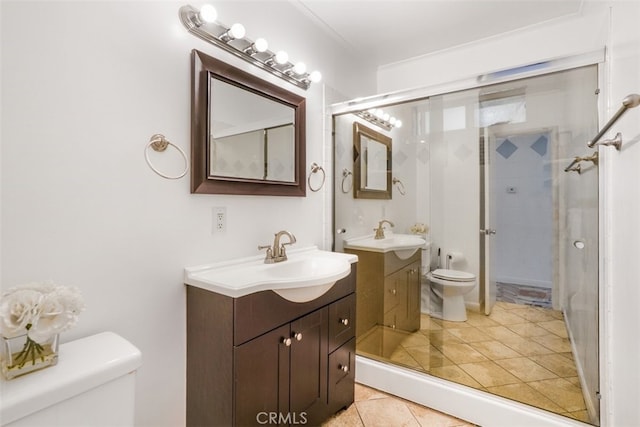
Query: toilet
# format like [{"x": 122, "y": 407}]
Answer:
[
  {"x": 93, "y": 384},
  {"x": 443, "y": 290}
]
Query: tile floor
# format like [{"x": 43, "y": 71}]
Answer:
[
  {"x": 373, "y": 408},
  {"x": 518, "y": 352}
]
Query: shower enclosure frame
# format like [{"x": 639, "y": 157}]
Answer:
[{"x": 467, "y": 403}]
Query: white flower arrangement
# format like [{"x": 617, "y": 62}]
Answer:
[{"x": 40, "y": 311}]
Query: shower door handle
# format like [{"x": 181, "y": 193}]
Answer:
[{"x": 488, "y": 231}]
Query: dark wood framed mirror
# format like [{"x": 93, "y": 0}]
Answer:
[
  {"x": 371, "y": 163},
  {"x": 247, "y": 135}
]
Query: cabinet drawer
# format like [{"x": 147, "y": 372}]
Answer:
[
  {"x": 342, "y": 370},
  {"x": 342, "y": 321}
]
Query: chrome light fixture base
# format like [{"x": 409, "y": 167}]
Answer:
[{"x": 217, "y": 34}]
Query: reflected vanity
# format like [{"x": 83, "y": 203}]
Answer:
[{"x": 247, "y": 135}]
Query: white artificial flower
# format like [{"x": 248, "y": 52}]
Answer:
[
  {"x": 40, "y": 310},
  {"x": 18, "y": 310}
]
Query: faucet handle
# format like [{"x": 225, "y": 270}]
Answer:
[{"x": 267, "y": 247}]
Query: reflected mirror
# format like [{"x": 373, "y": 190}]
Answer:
[
  {"x": 371, "y": 163},
  {"x": 247, "y": 134}
]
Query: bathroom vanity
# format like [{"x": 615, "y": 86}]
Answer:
[
  {"x": 388, "y": 285},
  {"x": 259, "y": 354}
]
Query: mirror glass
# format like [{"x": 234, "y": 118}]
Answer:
[
  {"x": 252, "y": 137},
  {"x": 371, "y": 163},
  {"x": 248, "y": 135}
]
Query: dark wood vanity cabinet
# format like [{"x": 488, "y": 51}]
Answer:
[
  {"x": 261, "y": 356},
  {"x": 388, "y": 290}
]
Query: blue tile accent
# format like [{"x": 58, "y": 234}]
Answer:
[
  {"x": 506, "y": 149},
  {"x": 540, "y": 146}
]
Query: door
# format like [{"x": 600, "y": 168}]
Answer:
[
  {"x": 309, "y": 349},
  {"x": 262, "y": 377}
]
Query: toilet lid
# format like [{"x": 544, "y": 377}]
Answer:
[{"x": 455, "y": 275}]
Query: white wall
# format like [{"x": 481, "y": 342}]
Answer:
[
  {"x": 622, "y": 224},
  {"x": 613, "y": 24},
  {"x": 84, "y": 86}
]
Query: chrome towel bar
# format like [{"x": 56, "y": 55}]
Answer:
[{"x": 630, "y": 101}]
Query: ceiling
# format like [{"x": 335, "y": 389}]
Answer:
[{"x": 392, "y": 30}]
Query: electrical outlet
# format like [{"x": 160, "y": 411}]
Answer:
[{"x": 219, "y": 219}]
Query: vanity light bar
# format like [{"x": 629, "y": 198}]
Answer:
[
  {"x": 203, "y": 24},
  {"x": 377, "y": 117}
]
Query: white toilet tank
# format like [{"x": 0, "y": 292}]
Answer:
[{"x": 93, "y": 384}]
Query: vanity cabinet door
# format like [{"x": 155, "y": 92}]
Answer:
[
  {"x": 413, "y": 297},
  {"x": 262, "y": 377},
  {"x": 309, "y": 349},
  {"x": 342, "y": 376}
]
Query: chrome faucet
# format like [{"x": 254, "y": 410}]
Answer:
[
  {"x": 277, "y": 252},
  {"x": 380, "y": 230}
]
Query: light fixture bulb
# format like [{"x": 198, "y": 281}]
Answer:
[
  {"x": 386, "y": 116},
  {"x": 208, "y": 13},
  {"x": 398, "y": 123},
  {"x": 237, "y": 31},
  {"x": 372, "y": 111},
  {"x": 260, "y": 45},
  {"x": 282, "y": 57},
  {"x": 379, "y": 113},
  {"x": 392, "y": 120},
  {"x": 300, "y": 68},
  {"x": 315, "y": 76}
]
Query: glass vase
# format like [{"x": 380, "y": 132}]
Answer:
[{"x": 21, "y": 355}]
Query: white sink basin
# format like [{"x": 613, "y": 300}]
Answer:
[
  {"x": 403, "y": 245},
  {"x": 306, "y": 275}
]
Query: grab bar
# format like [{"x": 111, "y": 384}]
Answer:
[{"x": 629, "y": 101}]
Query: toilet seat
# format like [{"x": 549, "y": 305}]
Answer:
[{"x": 453, "y": 275}]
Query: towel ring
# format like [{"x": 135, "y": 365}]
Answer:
[
  {"x": 345, "y": 175},
  {"x": 159, "y": 143},
  {"x": 400, "y": 186},
  {"x": 314, "y": 169}
]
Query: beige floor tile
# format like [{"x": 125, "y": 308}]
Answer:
[
  {"x": 579, "y": 415},
  {"x": 534, "y": 314},
  {"x": 557, "y": 364},
  {"x": 446, "y": 324},
  {"x": 469, "y": 335},
  {"x": 501, "y": 333},
  {"x": 428, "y": 417},
  {"x": 557, "y": 327},
  {"x": 402, "y": 357},
  {"x": 505, "y": 317},
  {"x": 480, "y": 320},
  {"x": 427, "y": 323},
  {"x": 461, "y": 353},
  {"x": 557, "y": 344},
  {"x": 525, "y": 394},
  {"x": 527, "y": 330},
  {"x": 363, "y": 392},
  {"x": 562, "y": 392},
  {"x": 457, "y": 375},
  {"x": 506, "y": 305},
  {"x": 439, "y": 338},
  {"x": 526, "y": 347},
  {"x": 526, "y": 369},
  {"x": 494, "y": 350},
  {"x": 350, "y": 417},
  {"x": 386, "y": 412},
  {"x": 414, "y": 340},
  {"x": 429, "y": 357},
  {"x": 489, "y": 374}
]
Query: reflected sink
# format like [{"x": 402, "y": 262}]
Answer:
[
  {"x": 403, "y": 245},
  {"x": 306, "y": 275}
]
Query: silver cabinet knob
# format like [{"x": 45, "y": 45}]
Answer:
[
  {"x": 345, "y": 322},
  {"x": 343, "y": 368},
  {"x": 298, "y": 336},
  {"x": 393, "y": 291},
  {"x": 488, "y": 231},
  {"x": 286, "y": 341}
]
